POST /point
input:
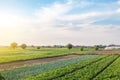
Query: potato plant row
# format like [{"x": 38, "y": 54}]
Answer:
[
  {"x": 63, "y": 71},
  {"x": 111, "y": 73},
  {"x": 89, "y": 72}
]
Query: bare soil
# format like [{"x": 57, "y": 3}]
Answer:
[
  {"x": 10, "y": 65},
  {"x": 108, "y": 52}
]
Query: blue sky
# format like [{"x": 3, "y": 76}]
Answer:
[{"x": 48, "y": 22}]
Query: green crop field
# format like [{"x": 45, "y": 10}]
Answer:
[
  {"x": 87, "y": 70},
  {"x": 81, "y": 67},
  {"x": 9, "y": 55},
  {"x": 59, "y": 40},
  {"x": 111, "y": 73},
  {"x": 19, "y": 73}
]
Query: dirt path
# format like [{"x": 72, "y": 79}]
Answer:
[
  {"x": 108, "y": 52},
  {"x": 31, "y": 62}
]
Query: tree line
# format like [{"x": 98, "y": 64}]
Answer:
[
  {"x": 15, "y": 45},
  {"x": 69, "y": 46},
  {"x": 23, "y": 46}
]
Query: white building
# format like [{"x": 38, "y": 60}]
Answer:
[{"x": 112, "y": 47}]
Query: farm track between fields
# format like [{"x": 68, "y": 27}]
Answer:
[
  {"x": 103, "y": 68},
  {"x": 108, "y": 52},
  {"x": 79, "y": 68},
  {"x": 10, "y": 65}
]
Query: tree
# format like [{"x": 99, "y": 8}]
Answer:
[
  {"x": 69, "y": 46},
  {"x": 81, "y": 48},
  {"x": 96, "y": 47},
  {"x": 14, "y": 45},
  {"x": 23, "y": 46}
]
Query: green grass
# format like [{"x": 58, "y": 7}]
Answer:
[
  {"x": 21, "y": 73},
  {"x": 9, "y": 55}
]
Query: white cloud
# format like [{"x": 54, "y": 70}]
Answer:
[
  {"x": 118, "y": 1},
  {"x": 75, "y": 17},
  {"x": 53, "y": 11},
  {"x": 118, "y": 10},
  {"x": 53, "y": 25}
]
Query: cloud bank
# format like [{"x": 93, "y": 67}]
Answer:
[{"x": 84, "y": 22}]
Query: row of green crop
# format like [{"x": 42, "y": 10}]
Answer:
[
  {"x": 111, "y": 73},
  {"x": 89, "y": 72},
  {"x": 19, "y": 73},
  {"x": 1, "y": 77},
  {"x": 62, "y": 71}
]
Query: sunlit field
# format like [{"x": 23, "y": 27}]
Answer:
[
  {"x": 9, "y": 54},
  {"x": 59, "y": 39},
  {"x": 84, "y": 67}
]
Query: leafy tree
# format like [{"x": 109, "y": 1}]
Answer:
[
  {"x": 14, "y": 45},
  {"x": 69, "y": 46},
  {"x": 96, "y": 47},
  {"x": 23, "y": 46},
  {"x": 81, "y": 48},
  {"x": 38, "y": 47}
]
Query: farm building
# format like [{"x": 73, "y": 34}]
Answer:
[{"x": 112, "y": 47}]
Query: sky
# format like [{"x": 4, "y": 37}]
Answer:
[{"x": 49, "y": 22}]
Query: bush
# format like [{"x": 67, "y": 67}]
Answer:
[
  {"x": 38, "y": 47},
  {"x": 81, "y": 48}
]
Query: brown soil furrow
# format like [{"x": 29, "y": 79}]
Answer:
[{"x": 31, "y": 62}]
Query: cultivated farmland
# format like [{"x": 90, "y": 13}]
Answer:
[
  {"x": 59, "y": 39},
  {"x": 28, "y": 71},
  {"x": 10, "y": 55},
  {"x": 82, "y": 71},
  {"x": 84, "y": 65}
]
